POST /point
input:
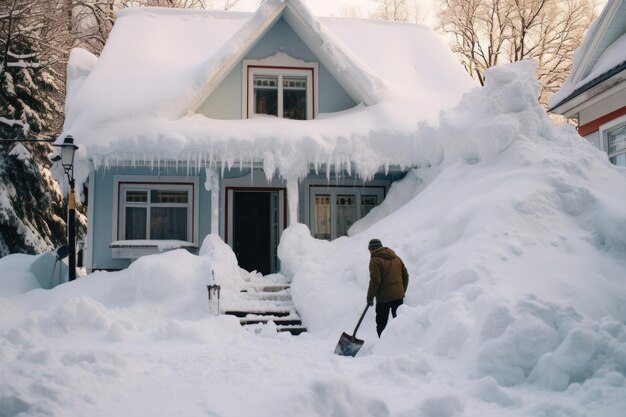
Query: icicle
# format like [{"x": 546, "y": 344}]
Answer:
[
  {"x": 215, "y": 202},
  {"x": 208, "y": 182},
  {"x": 292, "y": 200},
  {"x": 328, "y": 167}
]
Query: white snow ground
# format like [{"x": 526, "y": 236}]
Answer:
[{"x": 516, "y": 246}]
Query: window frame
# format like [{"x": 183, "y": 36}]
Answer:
[
  {"x": 147, "y": 183},
  {"x": 608, "y": 128},
  {"x": 333, "y": 192},
  {"x": 620, "y": 151},
  {"x": 280, "y": 65}
]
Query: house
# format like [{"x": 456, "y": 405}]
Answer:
[
  {"x": 197, "y": 122},
  {"x": 594, "y": 94}
]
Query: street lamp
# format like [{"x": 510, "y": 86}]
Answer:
[{"x": 67, "y": 160}]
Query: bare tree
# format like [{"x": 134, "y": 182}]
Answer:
[
  {"x": 229, "y": 4},
  {"x": 90, "y": 22},
  {"x": 485, "y": 33},
  {"x": 178, "y": 4},
  {"x": 396, "y": 10}
]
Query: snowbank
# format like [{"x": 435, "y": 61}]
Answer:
[
  {"x": 517, "y": 250},
  {"x": 17, "y": 277}
]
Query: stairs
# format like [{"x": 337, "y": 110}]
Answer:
[{"x": 262, "y": 303}]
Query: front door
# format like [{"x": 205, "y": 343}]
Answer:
[{"x": 255, "y": 230}]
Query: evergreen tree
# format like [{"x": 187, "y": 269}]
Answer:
[{"x": 31, "y": 207}]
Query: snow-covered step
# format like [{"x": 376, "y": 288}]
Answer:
[
  {"x": 252, "y": 304},
  {"x": 265, "y": 302},
  {"x": 293, "y": 329},
  {"x": 285, "y": 321},
  {"x": 259, "y": 312},
  {"x": 266, "y": 287},
  {"x": 282, "y": 295}
]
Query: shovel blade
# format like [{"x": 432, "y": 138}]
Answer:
[{"x": 348, "y": 345}]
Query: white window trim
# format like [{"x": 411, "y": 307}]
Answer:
[
  {"x": 153, "y": 182},
  {"x": 358, "y": 192},
  {"x": 279, "y": 65},
  {"x": 605, "y": 129}
]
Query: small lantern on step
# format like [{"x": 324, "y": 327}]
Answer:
[{"x": 214, "y": 296}]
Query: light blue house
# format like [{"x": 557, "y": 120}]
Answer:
[{"x": 199, "y": 122}]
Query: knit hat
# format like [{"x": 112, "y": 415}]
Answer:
[{"x": 374, "y": 244}]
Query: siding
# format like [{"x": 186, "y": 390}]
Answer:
[{"x": 603, "y": 107}]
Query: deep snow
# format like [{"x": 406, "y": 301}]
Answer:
[{"x": 516, "y": 247}]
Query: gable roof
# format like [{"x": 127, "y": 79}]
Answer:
[
  {"x": 354, "y": 76},
  {"x": 601, "y": 55}
]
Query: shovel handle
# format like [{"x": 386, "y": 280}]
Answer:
[{"x": 367, "y": 306}]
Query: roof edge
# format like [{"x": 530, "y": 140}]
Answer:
[
  {"x": 603, "y": 22},
  {"x": 588, "y": 86}
]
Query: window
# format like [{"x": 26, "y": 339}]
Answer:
[
  {"x": 155, "y": 212},
  {"x": 616, "y": 145},
  {"x": 346, "y": 213},
  {"x": 266, "y": 95},
  {"x": 321, "y": 216},
  {"x": 280, "y": 86},
  {"x": 334, "y": 211}
]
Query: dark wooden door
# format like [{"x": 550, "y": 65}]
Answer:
[{"x": 251, "y": 230}]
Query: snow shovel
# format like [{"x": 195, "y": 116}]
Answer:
[{"x": 350, "y": 345}]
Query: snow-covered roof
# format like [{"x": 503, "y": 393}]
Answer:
[
  {"x": 159, "y": 65},
  {"x": 601, "y": 55}
]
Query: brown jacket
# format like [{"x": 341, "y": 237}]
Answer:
[{"x": 389, "y": 278}]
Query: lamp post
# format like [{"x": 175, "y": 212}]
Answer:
[{"x": 67, "y": 160}]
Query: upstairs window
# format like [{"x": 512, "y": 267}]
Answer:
[{"x": 286, "y": 91}]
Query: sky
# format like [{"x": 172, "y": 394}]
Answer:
[{"x": 337, "y": 7}]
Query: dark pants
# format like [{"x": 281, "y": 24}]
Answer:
[{"x": 382, "y": 313}]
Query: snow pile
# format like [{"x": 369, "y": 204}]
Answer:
[
  {"x": 517, "y": 250},
  {"x": 516, "y": 247},
  {"x": 21, "y": 279}
]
